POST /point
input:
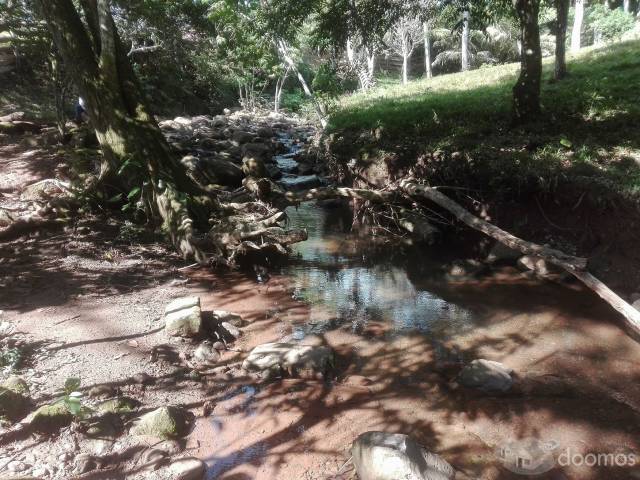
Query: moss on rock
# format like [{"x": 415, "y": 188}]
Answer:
[
  {"x": 49, "y": 419},
  {"x": 13, "y": 405},
  {"x": 164, "y": 422},
  {"x": 118, "y": 405}
]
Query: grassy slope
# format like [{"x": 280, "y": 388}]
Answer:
[{"x": 590, "y": 133}]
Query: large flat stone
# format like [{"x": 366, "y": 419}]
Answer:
[
  {"x": 273, "y": 358},
  {"x": 181, "y": 303},
  {"x": 394, "y": 456},
  {"x": 487, "y": 376},
  {"x": 184, "y": 323}
]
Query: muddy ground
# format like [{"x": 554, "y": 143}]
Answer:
[{"x": 83, "y": 305}]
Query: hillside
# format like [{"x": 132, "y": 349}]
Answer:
[
  {"x": 557, "y": 180},
  {"x": 588, "y": 127}
]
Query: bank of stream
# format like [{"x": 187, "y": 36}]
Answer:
[{"x": 402, "y": 326}]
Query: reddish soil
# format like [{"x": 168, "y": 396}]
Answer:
[{"x": 85, "y": 306}]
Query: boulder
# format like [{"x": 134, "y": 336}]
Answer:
[
  {"x": 118, "y": 405},
  {"x": 394, "y": 456},
  {"x": 164, "y": 422},
  {"x": 219, "y": 171},
  {"x": 301, "y": 183},
  {"x": 260, "y": 151},
  {"x": 254, "y": 167},
  {"x": 265, "y": 132},
  {"x": 239, "y": 137},
  {"x": 13, "y": 404},
  {"x": 228, "y": 317},
  {"x": 206, "y": 354},
  {"x": 49, "y": 419},
  {"x": 229, "y": 330},
  {"x": 183, "y": 317},
  {"x": 188, "y": 468},
  {"x": 16, "y": 385},
  {"x": 273, "y": 171},
  {"x": 296, "y": 359},
  {"x": 636, "y": 305},
  {"x": 487, "y": 376}
]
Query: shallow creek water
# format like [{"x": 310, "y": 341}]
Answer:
[{"x": 401, "y": 327}]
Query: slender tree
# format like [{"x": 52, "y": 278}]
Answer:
[
  {"x": 577, "y": 25},
  {"x": 426, "y": 30},
  {"x": 526, "y": 92},
  {"x": 562, "y": 17},
  {"x": 464, "y": 49}
]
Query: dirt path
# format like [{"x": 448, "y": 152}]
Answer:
[{"x": 83, "y": 305}]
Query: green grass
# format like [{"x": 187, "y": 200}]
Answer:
[{"x": 590, "y": 130}]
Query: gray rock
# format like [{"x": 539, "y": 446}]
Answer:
[
  {"x": 296, "y": 359},
  {"x": 233, "y": 331},
  {"x": 16, "y": 385},
  {"x": 219, "y": 171},
  {"x": 265, "y": 132},
  {"x": 487, "y": 376},
  {"x": 183, "y": 317},
  {"x": 182, "y": 303},
  {"x": 228, "y": 317},
  {"x": 84, "y": 463},
  {"x": 240, "y": 137},
  {"x": 273, "y": 171},
  {"x": 164, "y": 422},
  {"x": 301, "y": 183},
  {"x": 188, "y": 468},
  {"x": 153, "y": 458},
  {"x": 394, "y": 456},
  {"x": 206, "y": 354},
  {"x": 259, "y": 151},
  {"x": 254, "y": 167},
  {"x": 636, "y": 305}
]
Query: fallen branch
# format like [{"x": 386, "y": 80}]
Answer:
[
  {"x": 28, "y": 224},
  {"x": 576, "y": 266}
]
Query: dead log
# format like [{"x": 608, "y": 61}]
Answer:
[{"x": 576, "y": 266}]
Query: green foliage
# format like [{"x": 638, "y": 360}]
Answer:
[
  {"x": 608, "y": 24},
  {"x": 10, "y": 358},
  {"x": 72, "y": 398}
]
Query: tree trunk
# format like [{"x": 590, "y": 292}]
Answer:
[
  {"x": 562, "y": 17},
  {"x": 526, "y": 92},
  {"x": 427, "y": 50},
  {"x": 284, "y": 51},
  {"x": 126, "y": 130},
  {"x": 465, "y": 41},
  {"x": 626, "y": 5},
  {"x": 577, "y": 26},
  {"x": 405, "y": 68}
]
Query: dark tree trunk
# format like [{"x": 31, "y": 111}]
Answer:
[
  {"x": 526, "y": 92},
  {"x": 125, "y": 128},
  {"x": 562, "y": 18}
]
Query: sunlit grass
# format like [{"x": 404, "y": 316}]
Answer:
[{"x": 590, "y": 128}]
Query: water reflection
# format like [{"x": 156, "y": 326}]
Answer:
[{"x": 347, "y": 279}]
